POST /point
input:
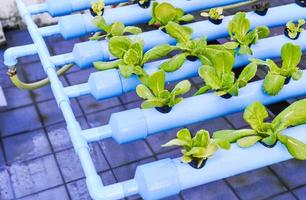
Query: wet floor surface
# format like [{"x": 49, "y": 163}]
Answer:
[{"x": 37, "y": 160}]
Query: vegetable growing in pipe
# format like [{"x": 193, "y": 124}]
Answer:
[
  {"x": 277, "y": 76},
  {"x": 157, "y": 96},
  {"x": 269, "y": 133},
  {"x": 163, "y": 13},
  {"x": 242, "y": 36},
  {"x": 97, "y": 8},
  {"x": 196, "y": 150},
  {"x": 220, "y": 77},
  {"x": 293, "y": 30},
  {"x": 190, "y": 49},
  {"x": 131, "y": 56},
  {"x": 214, "y": 15},
  {"x": 144, "y": 3},
  {"x": 114, "y": 29}
]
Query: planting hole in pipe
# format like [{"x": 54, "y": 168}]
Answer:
[
  {"x": 144, "y": 3},
  {"x": 261, "y": 8},
  {"x": 301, "y": 3},
  {"x": 286, "y": 33},
  {"x": 267, "y": 145},
  {"x": 194, "y": 164},
  {"x": 214, "y": 15},
  {"x": 192, "y": 58},
  {"x": 164, "y": 109}
]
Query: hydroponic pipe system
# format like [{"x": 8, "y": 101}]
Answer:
[
  {"x": 85, "y": 53},
  {"x": 109, "y": 83},
  {"x": 59, "y": 7},
  {"x": 128, "y": 15},
  {"x": 134, "y": 124},
  {"x": 166, "y": 177}
]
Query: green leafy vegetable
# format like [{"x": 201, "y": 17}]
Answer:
[
  {"x": 294, "y": 30},
  {"x": 275, "y": 79},
  {"x": 269, "y": 133},
  {"x": 156, "y": 95},
  {"x": 220, "y": 77},
  {"x": 114, "y": 29},
  {"x": 197, "y": 48},
  {"x": 197, "y": 148},
  {"x": 214, "y": 13},
  {"x": 239, "y": 30},
  {"x": 163, "y": 13},
  {"x": 97, "y": 7},
  {"x": 131, "y": 57}
]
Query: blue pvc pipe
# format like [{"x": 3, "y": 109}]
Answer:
[
  {"x": 167, "y": 177},
  {"x": 85, "y": 53},
  {"x": 134, "y": 124},
  {"x": 129, "y": 15},
  {"x": 109, "y": 83},
  {"x": 64, "y": 7}
]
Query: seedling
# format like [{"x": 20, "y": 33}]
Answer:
[
  {"x": 131, "y": 56},
  {"x": 269, "y": 133},
  {"x": 189, "y": 49},
  {"x": 239, "y": 30},
  {"x": 261, "y": 8},
  {"x": 198, "y": 149},
  {"x": 214, "y": 15},
  {"x": 301, "y": 3},
  {"x": 277, "y": 76},
  {"x": 220, "y": 77},
  {"x": 293, "y": 31},
  {"x": 157, "y": 96},
  {"x": 115, "y": 29},
  {"x": 97, "y": 8},
  {"x": 144, "y": 3},
  {"x": 163, "y": 13}
]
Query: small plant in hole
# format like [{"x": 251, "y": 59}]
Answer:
[
  {"x": 292, "y": 30},
  {"x": 214, "y": 15},
  {"x": 163, "y": 13},
  {"x": 261, "y": 8},
  {"x": 277, "y": 76},
  {"x": 269, "y": 133},
  {"x": 240, "y": 33},
  {"x": 220, "y": 77},
  {"x": 155, "y": 94},
  {"x": 144, "y": 3},
  {"x": 190, "y": 49},
  {"x": 97, "y": 8},
  {"x": 114, "y": 29},
  {"x": 131, "y": 56},
  {"x": 196, "y": 150}
]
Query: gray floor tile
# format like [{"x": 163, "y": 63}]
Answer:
[
  {"x": 121, "y": 154},
  {"x": 292, "y": 172},
  {"x": 19, "y": 120},
  {"x": 257, "y": 184},
  {"x": 6, "y": 189},
  {"x": 300, "y": 193},
  {"x": 102, "y": 117},
  {"x": 89, "y": 104},
  {"x": 78, "y": 189},
  {"x": 286, "y": 196},
  {"x": 211, "y": 191},
  {"x": 26, "y": 146},
  {"x": 16, "y": 97},
  {"x": 70, "y": 165},
  {"x": 59, "y": 193},
  {"x": 34, "y": 176}
]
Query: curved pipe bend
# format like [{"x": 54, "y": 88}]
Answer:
[{"x": 13, "y": 53}]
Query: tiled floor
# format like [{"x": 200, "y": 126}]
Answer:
[{"x": 37, "y": 161}]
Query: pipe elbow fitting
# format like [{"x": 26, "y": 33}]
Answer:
[{"x": 13, "y": 53}]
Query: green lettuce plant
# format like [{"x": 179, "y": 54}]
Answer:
[
  {"x": 163, "y": 13},
  {"x": 214, "y": 13},
  {"x": 156, "y": 95},
  {"x": 131, "y": 56},
  {"x": 276, "y": 77},
  {"x": 240, "y": 33},
  {"x": 198, "y": 148},
  {"x": 269, "y": 133},
  {"x": 293, "y": 30},
  {"x": 114, "y": 29},
  {"x": 220, "y": 77},
  {"x": 190, "y": 48},
  {"x": 97, "y": 8}
]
